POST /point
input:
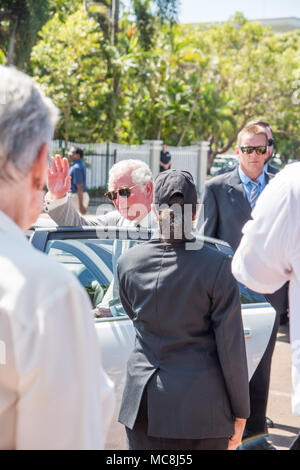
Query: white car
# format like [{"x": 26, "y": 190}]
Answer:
[
  {"x": 221, "y": 162},
  {"x": 91, "y": 254}
]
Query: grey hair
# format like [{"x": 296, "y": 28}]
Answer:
[
  {"x": 139, "y": 171},
  {"x": 27, "y": 121}
]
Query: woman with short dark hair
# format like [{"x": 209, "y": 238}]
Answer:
[{"x": 187, "y": 379}]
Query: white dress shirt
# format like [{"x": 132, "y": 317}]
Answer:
[
  {"x": 54, "y": 393},
  {"x": 269, "y": 253}
]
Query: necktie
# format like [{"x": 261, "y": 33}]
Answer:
[{"x": 254, "y": 193}]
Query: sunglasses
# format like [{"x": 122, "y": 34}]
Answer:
[
  {"x": 261, "y": 150},
  {"x": 123, "y": 192}
]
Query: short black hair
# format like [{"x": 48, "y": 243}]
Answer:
[{"x": 79, "y": 151}]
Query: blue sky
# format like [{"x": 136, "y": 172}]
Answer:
[{"x": 193, "y": 11}]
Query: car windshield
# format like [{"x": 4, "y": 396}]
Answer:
[{"x": 94, "y": 263}]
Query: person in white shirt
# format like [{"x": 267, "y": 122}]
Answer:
[
  {"x": 54, "y": 393},
  {"x": 269, "y": 255}
]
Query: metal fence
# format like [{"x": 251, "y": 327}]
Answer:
[
  {"x": 137, "y": 152},
  {"x": 101, "y": 157},
  {"x": 98, "y": 166},
  {"x": 185, "y": 158}
]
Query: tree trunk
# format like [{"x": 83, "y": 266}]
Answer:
[
  {"x": 115, "y": 8},
  {"x": 11, "y": 47},
  {"x": 189, "y": 118}
]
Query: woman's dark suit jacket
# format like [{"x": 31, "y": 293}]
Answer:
[{"x": 189, "y": 349}]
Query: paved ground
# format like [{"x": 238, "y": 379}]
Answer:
[{"x": 286, "y": 426}]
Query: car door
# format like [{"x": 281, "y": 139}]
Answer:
[{"x": 92, "y": 256}]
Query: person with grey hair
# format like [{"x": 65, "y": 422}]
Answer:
[
  {"x": 54, "y": 392},
  {"x": 187, "y": 381},
  {"x": 130, "y": 190}
]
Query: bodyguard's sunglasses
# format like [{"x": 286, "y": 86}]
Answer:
[
  {"x": 123, "y": 192},
  {"x": 258, "y": 150}
]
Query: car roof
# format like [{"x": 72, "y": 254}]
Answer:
[{"x": 111, "y": 233}]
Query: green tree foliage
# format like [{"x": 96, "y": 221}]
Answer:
[
  {"x": 142, "y": 76},
  {"x": 20, "y": 22},
  {"x": 2, "y": 57},
  {"x": 252, "y": 70},
  {"x": 64, "y": 7},
  {"x": 145, "y": 23},
  {"x": 69, "y": 65}
]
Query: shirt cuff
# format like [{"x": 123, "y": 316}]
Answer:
[{"x": 50, "y": 204}]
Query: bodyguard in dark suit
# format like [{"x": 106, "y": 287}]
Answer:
[
  {"x": 228, "y": 201},
  {"x": 187, "y": 380}
]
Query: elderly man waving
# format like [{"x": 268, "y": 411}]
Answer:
[{"x": 130, "y": 189}]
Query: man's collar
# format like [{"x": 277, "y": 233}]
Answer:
[
  {"x": 9, "y": 226},
  {"x": 246, "y": 179}
]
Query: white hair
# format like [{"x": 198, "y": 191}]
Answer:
[
  {"x": 139, "y": 171},
  {"x": 27, "y": 120}
]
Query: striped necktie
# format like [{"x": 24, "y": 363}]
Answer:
[{"x": 254, "y": 193}]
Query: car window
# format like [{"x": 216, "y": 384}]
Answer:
[
  {"x": 249, "y": 297},
  {"x": 94, "y": 263}
]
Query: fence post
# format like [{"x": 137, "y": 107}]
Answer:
[
  {"x": 107, "y": 163},
  {"x": 154, "y": 155},
  {"x": 62, "y": 145},
  {"x": 202, "y": 151}
]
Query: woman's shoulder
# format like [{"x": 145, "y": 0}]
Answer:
[{"x": 140, "y": 252}]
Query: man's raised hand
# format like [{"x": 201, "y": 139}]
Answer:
[{"x": 59, "y": 181}]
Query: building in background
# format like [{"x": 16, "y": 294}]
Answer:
[{"x": 279, "y": 25}]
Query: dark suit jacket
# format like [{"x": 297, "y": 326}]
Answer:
[
  {"x": 226, "y": 210},
  {"x": 226, "y": 169},
  {"x": 226, "y": 207},
  {"x": 189, "y": 349}
]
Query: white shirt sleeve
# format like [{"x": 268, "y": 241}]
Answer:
[
  {"x": 66, "y": 399},
  {"x": 262, "y": 260}
]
